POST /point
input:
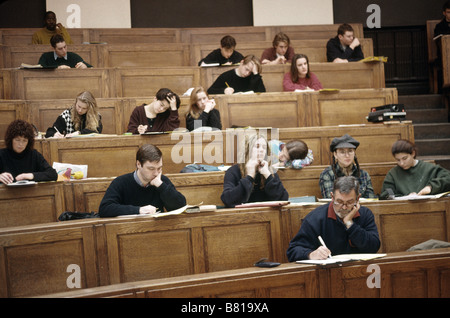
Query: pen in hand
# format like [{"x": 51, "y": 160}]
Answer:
[{"x": 323, "y": 244}]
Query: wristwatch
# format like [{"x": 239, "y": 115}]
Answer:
[{"x": 348, "y": 224}]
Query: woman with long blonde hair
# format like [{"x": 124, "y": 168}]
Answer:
[
  {"x": 252, "y": 179},
  {"x": 82, "y": 118},
  {"x": 202, "y": 111}
]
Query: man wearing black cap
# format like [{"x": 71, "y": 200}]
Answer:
[
  {"x": 345, "y": 163},
  {"x": 339, "y": 227}
]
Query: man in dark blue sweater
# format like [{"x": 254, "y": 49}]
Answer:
[
  {"x": 344, "y": 225},
  {"x": 144, "y": 191}
]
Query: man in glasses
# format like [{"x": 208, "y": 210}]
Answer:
[{"x": 344, "y": 225}]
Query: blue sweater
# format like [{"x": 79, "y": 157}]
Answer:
[{"x": 361, "y": 237}]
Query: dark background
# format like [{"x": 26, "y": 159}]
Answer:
[
  {"x": 209, "y": 13},
  {"x": 402, "y": 36}
]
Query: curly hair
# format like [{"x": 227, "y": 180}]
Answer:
[{"x": 19, "y": 128}]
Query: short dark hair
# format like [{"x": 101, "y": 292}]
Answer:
[
  {"x": 165, "y": 94},
  {"x": 446, "y": 6},
  {"x": 19, "y": 128},
  {"x": 344, "y": 28},
  {"x": 297, "y": 149},
  {"x": 228, "y": 42},
  {"x": 148, "y": 152},
  {"x": 57, "y": 38},
  {"x": 404, "y": 146},
  {"x": 346, "y": 184}
]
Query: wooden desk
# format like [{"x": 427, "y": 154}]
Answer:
[
  {"x": 215, "y": 148},
  {"x": 355, "y": 75},
  {"x": 420, "y": 274},
  {"x": 146, "y": 81},
  {"x": 291, "y": 109},
  {"x": 117, "y": 250},
  {"x": 242, "y": 34},
  {"x": 315, "y": 49}
]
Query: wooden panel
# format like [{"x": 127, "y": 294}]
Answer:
[
  {"x": 432, "y": 225},
  {"x": 23, "y": 36},
  {"x": 30, "y": 54},
  {"x": 213, "y": 35},
  {"x": 59, "y": 84},
  {"x": 203, "y": 243},
  {"x": 11, "y": 110},
  {"x": 31, "y": 205},
  {"x": 315, "y": 49},
  {"x": 406, "y": 275},
  {"x": 34, "y": 262},
  {"x": 445, "y": 43},
  {"x": 309, "y": 109},
  {"x": 355, "y": 75},
  {"x": 399, "y": 278},
  {"x": 45, "y": 112},
  {"x": 141, "y": 55},
  {"x": 134, "y": 35},
  {"x": 180, "y": 149},
  {"x": 134, "y": 82}
]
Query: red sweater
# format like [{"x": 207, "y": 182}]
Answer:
[
  {"x": 167, "y": 121},
  {"x": 311, "y": 82}
]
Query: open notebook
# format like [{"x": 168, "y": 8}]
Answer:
[{"x": 341, "y": 259}]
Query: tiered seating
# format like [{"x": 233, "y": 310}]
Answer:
[
  {"x": 120, "y": 250},
  {"x": 299, "y": 281},
  {"x": 184, "y": 35},
  {"x": 117, "y": 250}
]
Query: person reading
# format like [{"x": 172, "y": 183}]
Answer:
[
  {"x": 144, "y": 191},
  {"x": 246, "y": 77}
]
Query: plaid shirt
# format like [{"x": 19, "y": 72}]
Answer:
[{"x": 326, "y": 181}]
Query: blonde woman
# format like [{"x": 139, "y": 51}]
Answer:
[
  {"x": 202, "y": 112},
  {"x": 252, "y": 180},
  {"x": 82, "y": 118}
]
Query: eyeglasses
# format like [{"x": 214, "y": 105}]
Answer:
[
  {"x": 340, "y": 204},
  {"x": 348, "y": 152}
]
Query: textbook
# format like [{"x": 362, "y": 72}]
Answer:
[
  {"x": 422, "y": 197},
  {"x": 263, "y": 204},
  {"x": 21, "y": 183}
]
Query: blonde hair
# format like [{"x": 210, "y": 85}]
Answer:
[
  {"x": 193, "y": 109},
  {"x": 243, "y": 158},
  {"x": 92, "y": 115}
]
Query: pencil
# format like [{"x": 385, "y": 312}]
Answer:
[{"x": 323, "y": 244}]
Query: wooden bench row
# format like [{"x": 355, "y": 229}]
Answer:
[
  {"x": 242, "y": 34},
  {"x": 35, "y": 258},
  {"x": 286, "y": 109},
  {"x": 146, "y": 81},
  {"x": 418, "y": 274},
  {"x": 162, "y": 54},
  {"x": 111, "y": 156},
  {"x": 45, "y": 201}
]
